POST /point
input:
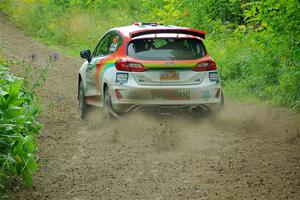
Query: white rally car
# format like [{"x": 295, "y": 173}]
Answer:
[{"x": 148, "y": 64}]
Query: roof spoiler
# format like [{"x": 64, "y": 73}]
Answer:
[{"x": 192, "y": 32}]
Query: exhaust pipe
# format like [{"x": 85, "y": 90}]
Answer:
[{"x": 193, "y": 108}]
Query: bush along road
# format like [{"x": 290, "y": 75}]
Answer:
[{"x": 245, "y": 152}]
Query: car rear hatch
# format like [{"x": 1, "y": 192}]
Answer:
[
  {"x": 173, "y": 72},
  {"x": 167, "y": 59}
]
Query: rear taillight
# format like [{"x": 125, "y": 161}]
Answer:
[
  {"x": 123, "y": 65},
  {"x": 208, "y": 65}
]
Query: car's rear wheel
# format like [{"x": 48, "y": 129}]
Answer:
[
  {"x": 107, "y": 101},
  {"x": 81, "y": 99},
  {"x": 222, "y": 100},
  {"x": 108, "y": 107}
]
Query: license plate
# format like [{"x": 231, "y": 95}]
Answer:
[{"x": 169, "y": 75}]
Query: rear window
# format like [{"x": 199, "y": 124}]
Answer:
[{"x": 166, "y": 49}]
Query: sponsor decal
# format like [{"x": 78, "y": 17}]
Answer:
[
  {"x": 121, "y": 77},
  {"x": 214, "y": 77},
  {"x": 115, "y": 44},
  {"x": 113, "y": 47},
  {"x": 171, "y": 95}
]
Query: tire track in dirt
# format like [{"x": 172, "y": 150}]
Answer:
[{"x": 246, "y": 152}]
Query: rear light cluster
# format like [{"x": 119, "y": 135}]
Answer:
[
  {"x": 208, "y": 65},
  {"x": 124, "y": 65}
]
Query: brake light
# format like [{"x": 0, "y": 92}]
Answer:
[
  {"x": 123, "y": 65},
  {"x": 208, "y": 65}
]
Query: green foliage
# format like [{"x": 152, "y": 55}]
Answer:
[
  {"x": 260, "y": 65},
  {"x": 255, "y": 43},
  {"x": 75, "y": 24},
  {"x": 18, "y": 128}
]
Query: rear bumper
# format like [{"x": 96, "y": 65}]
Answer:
[{"x": 125, "y": 97}]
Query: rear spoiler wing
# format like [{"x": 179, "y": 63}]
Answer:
[{"x": 193, "y": 32}]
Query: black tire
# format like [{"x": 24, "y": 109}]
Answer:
[
  {"x": 107, "y": 102},
  {"x": 222, "y": 100},
  {"x": 81, "y": 100},
  {"x": 108, "y": 108}
]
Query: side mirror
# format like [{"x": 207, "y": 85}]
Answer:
[{"x": 86, "y": 54}]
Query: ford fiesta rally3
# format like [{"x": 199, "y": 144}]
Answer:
[{"x": 149, "y": 65}]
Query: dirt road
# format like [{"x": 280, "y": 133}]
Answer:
[{"x": 247, "y": 152}]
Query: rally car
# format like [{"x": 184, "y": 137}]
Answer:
[{"x": 149, "y": 65}]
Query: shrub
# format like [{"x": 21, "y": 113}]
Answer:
[{"x": 18, "y": 128}]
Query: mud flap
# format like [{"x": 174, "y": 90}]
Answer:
[{"x": 113, "y": 113}]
